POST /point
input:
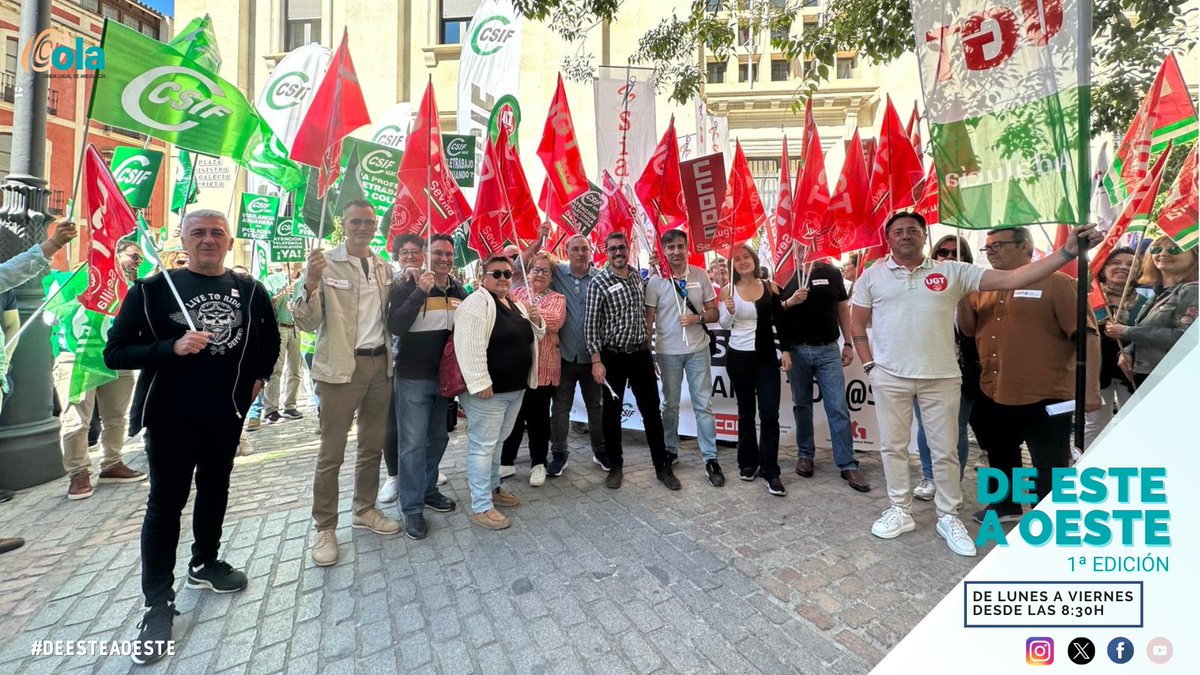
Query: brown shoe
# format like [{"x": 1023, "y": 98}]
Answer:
[
  {"x": 500, "y": 497},
  {"x": 491, "y": 519},
  {"x": 81, "y": 486},
  {"x": 119, "y": 473},
  {"x": 857, "y": 480},
  {"x": 804, "y": 467}
]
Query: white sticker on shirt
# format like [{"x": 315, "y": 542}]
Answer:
[
  {"x": 341, "y": 284},
  {"x": 614, "y": 289},
  {"x": 820, "y": 282},
  {"x": 693, "y": 284},
  {"x": 234, "y": 293},
  {"x": 1026, "y": 293}
]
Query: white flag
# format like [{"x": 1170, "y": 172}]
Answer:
[
  {"x": 392, "y": 129},
  {"x": 489, "y": 68},
  {"x": 290, "y": 90},
  {"x": 626, "y": 136}
]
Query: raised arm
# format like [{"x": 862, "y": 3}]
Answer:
[{"x": 1011, "y": 280}]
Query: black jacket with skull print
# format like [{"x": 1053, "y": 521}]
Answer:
[{"x": 213, "y": 386}]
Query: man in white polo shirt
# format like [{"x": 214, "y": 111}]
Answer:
[{"x": 910, "y": 304}]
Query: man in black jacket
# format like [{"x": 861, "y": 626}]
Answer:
[{"x": 201, "y": 383}]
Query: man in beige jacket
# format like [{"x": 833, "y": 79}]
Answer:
[{"x": 344, "y": 301}]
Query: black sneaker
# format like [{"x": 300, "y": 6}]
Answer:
[
  {"x": 1008, "y": 513},
  {"x": 603, "y": 464},
  {"x": 154, "y": 633},
  {"x": 613, "y": 480},
  {"x": 414, "y": 525},
  {"x": 747, "y": 473},
  {"x": 293, "y": 414},
  {"x": 667, "y": 476},
  {"x": 775, "y": 486},
  {"x": 217, "y": 575},
  {"x": 273, "y": 417},
  {"x": 558, "y": 463},
  {"x": 440, "y": 503},
  {"x": 715, "y": 477},
  {"x": 6, "y": 495}
]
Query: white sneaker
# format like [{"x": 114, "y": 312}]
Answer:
[
  {"x": 506, "y": 471},
  {"x": 390, "y": 490},
  {"x": 537, "y": 477},
  {"x": 895, "y": 522},
  {"x": 925, "y": 490},
  {"x": 442, "y": 480},
  {"x": 955, "y": 533}
]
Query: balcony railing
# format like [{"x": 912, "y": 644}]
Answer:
[
  {"x": 52, "y": 102},
  {"x": 116, "y": 130},
  {"x": 8, "y": 92}
]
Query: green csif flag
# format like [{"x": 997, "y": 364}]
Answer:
[
  {"x": 63, "y": 306},
  {"x": 197, "y": 42},
  {"x": 267, "y": 157},
  {"x": 150, "y": 88},
  {"x": 141, "y": 237},
  {"x": 185, "y": 190},
  {"x": 89, "y": 371},
  {"x": 136, "y": 172}
]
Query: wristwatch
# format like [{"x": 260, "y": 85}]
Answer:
[{"x": 868, "y": 367}]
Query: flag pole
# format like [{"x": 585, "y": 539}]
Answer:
[
  {"x": 429, "y": 183},
  {"x": 41, "y": 308},
  {"x": 74, "y": 204},
  {"x": 167, "y": 275},
  {"x": 1084, "y": 177}
]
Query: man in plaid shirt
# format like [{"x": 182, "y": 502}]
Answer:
[{"x": 617, "y": 337}]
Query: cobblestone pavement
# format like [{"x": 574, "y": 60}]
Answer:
[{"x": 588, "y": 579}]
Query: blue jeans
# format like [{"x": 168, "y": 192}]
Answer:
[
  {"x": 489, "y": 422},
  {"x": 964, "y": 415},
  {"x": 823, "y": 363},
  {"x": 698, "y": 368},
  {"x": 421, "y": 425},
  {"x": 256, "y": 408}
]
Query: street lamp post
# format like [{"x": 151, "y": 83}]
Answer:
[{"x": 30, "y": 449}]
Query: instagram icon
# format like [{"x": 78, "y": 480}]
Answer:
[{"x": 1039, "y": 651}]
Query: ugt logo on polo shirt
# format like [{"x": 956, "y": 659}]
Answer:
[{"x": 936, "y": 282}]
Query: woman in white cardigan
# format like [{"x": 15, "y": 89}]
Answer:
[{"x": 495, "y": 339}]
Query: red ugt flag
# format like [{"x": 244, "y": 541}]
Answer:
[
  {"x": 779, "y": 228},
  {"x": 109, "y": 219},
  {"x": 559, "y": 151},
  {"x": 427, "y": 191},
  {"x": 504, "y": 208},
  {"x": 616, "y": 215},
  {"x": 659, "y": 189},
  {"x": 851, "y": 221},
  {"x": 811, "y": 199},
  {"x": 745, "y": 213},
  {"x": 337, "y": 109}
]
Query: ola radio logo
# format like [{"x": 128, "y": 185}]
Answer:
[{"x": 1039, "y": 651}]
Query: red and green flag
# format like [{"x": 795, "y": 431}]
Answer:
[{"x": 1178, "y": 216}]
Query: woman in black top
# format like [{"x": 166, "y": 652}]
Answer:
[
  {"x": 495, "y": 342},
  {"x": 751, "y": 310}
]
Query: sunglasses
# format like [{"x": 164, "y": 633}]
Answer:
[
  {"x": 1173, "y": 250},
  {"x": 946, "y": 253},
  {"x": 617, "y": 249},
  {"x": 500, "y": 274}
]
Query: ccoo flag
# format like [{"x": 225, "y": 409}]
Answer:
[{"x": 1007, "y": 101}]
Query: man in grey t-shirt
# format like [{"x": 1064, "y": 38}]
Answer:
[{"x": 676, "y": 308}]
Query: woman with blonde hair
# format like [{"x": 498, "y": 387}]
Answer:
[{"x": 1156, "y": 328}]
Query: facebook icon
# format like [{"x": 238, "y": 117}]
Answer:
[{"x": 1120, "y": 650}]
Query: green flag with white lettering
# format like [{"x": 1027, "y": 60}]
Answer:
[
  {"x": 150, "y": 88},
  {"x": 185, "y": 190},
  {"x": 136, "y": 172},
  {"x": 89, "y": 371}
]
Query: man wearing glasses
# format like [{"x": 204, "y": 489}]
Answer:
[
  {"x": 111, "y": 399},
  {"x": 344, "y": 301},
  {"x": 911, "y": 303},
  {"x": 421, "y": 315},
  {"x": 619, "y": 345},
  {"x": 678, "y": 307},
  {"x": 1026, "y": 340}
]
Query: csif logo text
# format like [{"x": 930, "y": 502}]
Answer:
[
  {"x": 133, "y": 171},
  {"x": 42, "y": 55},
  {"x": 491, "y": 35},
  {"x": 288, "y": 90},
  {"x": 456, "y": 147},
  {"x": 162, "y": 86},
  {"x": 259, "y": 206},
  {"x": 379, "y": 162}
]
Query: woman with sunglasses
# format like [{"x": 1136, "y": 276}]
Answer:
[
  {"x": 951, "y": 247},
  {"x": 751, "y": 309},
  {"x": 535, "y": 408},
  {"x": 1159, "y": 324},
  {"x": 496, "y": 343}
]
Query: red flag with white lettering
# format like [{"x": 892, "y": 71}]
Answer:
[
  {"x": 109, "y": 219},
  {"x": 504, "y": 208},
  {"x": 659, "y": 189},
  {"x": 852, "y": 223},
  {"x": 913, "y": 129},
  {"x": 559, "y": 150},
  {"x": 811, "y": 197},
  {"x": 927, "y": 204},
  {"x": 616, "y": 215},
  {"x": 779, "y": 228},
  {"x": 902, "y": 167},
  {"x": 337, "y": 109},
  {"x": 427, "y": 190},
  {"x": 744, "y": 214}
]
